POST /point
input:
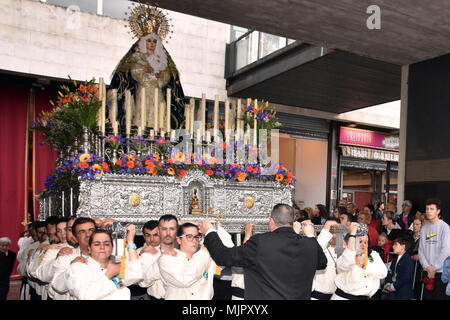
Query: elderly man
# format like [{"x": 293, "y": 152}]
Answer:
[
  {"x": 278, "y": 265},
  {"x": 7, "y": 259}
]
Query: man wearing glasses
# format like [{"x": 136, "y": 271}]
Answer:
[{"x": 188, "y": 273}]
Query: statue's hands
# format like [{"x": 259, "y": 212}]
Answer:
[{"x": 159, "y": 75}]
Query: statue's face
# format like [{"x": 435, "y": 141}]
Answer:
[{"x": 151, "y": 44}]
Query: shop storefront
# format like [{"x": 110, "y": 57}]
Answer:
[{"x": 368, "y": 166}]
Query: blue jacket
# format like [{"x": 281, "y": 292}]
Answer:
[
  {"x": 446, "y": 275},
  {"x": 403, "y": 283}
]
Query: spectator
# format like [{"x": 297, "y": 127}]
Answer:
[
  {"x": 365, "y": 217},
  {"x": 300, "y": 216},
  {"x": 414, "y": 252},
  {"x": 369, "y": 210},
  {"x": 434, "y": 248},
  {"x": 7, "y": 260},
  {"x": 320, "y": 214},
  {"x": 358, "y": 275},
  {"x": 379, "y": 213},
  {"x": 390, "y": 226},
  {"x": 310, "y": 212},
  {"x": 386, "y": 245},
  {"x": 446, "y": 275},
  {"x": 338, "y": 211},
  {"x": 399, "y": 282},
  {"x": 405, "y": 219},
  {"x": 351, "y": 208}
]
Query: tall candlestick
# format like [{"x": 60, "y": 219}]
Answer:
[
  {"x": 127, "y": 112},
  {"x": 216, "y": 114},
  {"x": 143, "y": 114},
  {"x": 203, "y": 113},
  {"x": 168, "y": 109},
  {"x": 155, "y": 112}
]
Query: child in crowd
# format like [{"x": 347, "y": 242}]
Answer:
[
  {"x": 386, "y": 245},
  {"x": 399, "y": 281}
]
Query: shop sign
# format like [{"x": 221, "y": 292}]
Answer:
[
  {"x": 370, "y": 154},
  {"x": 367, "y": 138}
]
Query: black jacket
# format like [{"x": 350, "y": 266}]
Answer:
[
  {"x": 405, "y": 276},
  {"x": 6, "y": 266},
  {"x": 278, "y": 265}
]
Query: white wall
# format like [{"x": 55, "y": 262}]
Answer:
[
  {"x": 42, "y": 39},
  {"x": 310, "y": 172}
]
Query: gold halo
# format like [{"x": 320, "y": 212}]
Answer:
[
  {"x": 146, "y": 18},
  {"x": 134, "y": 199}
]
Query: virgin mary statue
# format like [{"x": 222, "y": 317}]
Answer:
[{"x": 148, "y": 65}]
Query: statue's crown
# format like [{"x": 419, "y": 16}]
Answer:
[{"x": 148, "y": 18}]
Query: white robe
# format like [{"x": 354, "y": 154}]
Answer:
[
  {"x": 89, "y": 282},
  {"x": 353, "y": 279},
  {"x": 61, "y": 265},
  {"x": 324, "y": 279},
  {"x": 151, "y": 276},
  {"x": 188, "y": 279}
]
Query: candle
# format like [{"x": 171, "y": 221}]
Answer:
[
  {"x": 115, "y": 127},
  {"x": 99, "y": 118},
  {"x": 227, "y": 115},
  {"x": 187, "y": 114},
  {"x": 168, "y": 110},
  {"x": 208, "y": 136},
  {"x": 127, "y": 112},
  {"x": 172, "y": 135},
  {"x": 191, "y": 115},
  {"x": 216, "y": 114},
  {"x": 142, "y": 126},
  {"x": 238, "y": 118},
  {"x": 152, "y": 134},
  {"x": 255, "y": 126},
  {"x": 113, "y": 106},
  {"x": 103, "y": 107},
  {"x": 203, "y": 113},
  {"x": 155, "y": 112},
  {"x": 161, "y": 116}
]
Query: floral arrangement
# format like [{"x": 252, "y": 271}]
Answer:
[
  {"x": 72, "y": 111},
  {"x": 265, "y": 117}
]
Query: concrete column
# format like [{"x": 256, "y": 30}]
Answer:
[{"x": 403, "y": 127}]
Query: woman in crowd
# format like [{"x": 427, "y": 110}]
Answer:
[
  {"x": 98, "y": 277},
  {"x": 320, "y": 214},
  {"x": 358, "y": 275}
]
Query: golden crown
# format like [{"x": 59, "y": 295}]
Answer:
[{"x": 147, "y": 18}]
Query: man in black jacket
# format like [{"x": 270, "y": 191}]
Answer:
[
  {"x": 278, "y": 265},
  {"x": 7, "y": 259}
]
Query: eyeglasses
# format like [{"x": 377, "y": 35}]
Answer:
[{"x": 191, "y": 237}]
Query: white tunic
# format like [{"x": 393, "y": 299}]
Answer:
[
  {"x": 151, "y": 276},
  {"x": 324, "y": 279},
  {"x": 353, "y": 279},
  {"x": 89, "y": 282},
  {"x": 58, "y": 286},
  {"x": 188, "y": 279}
]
